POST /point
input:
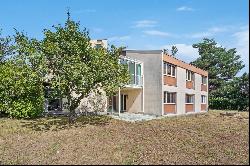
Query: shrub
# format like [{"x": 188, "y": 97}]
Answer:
[{"x": 21, "y": 91}]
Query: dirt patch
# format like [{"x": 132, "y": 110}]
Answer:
[{"x": 199, "y": 139}]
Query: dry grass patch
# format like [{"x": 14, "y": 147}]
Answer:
[{"x": 198, "y": 139}]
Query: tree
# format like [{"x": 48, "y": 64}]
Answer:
[
  {"x": 74, "y": 68},
  {"x": 174, "y": 50},
  {"x": 6, "y": 47},
  {"x": 221, "y": 64}
]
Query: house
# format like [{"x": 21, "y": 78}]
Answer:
[{"x": 160, "y": 85}]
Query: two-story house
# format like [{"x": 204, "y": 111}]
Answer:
[{"x": 160, "y": 85}]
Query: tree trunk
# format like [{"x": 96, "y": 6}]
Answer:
[{"x": 71, "y": 116}]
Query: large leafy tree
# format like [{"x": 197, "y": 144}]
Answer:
[
  {"x": 74, "y": 68},
  {"x": 221, "y": 64}
]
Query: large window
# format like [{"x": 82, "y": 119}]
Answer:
[
  {"x": 132, "y": 72},
  {"x": 203, "y": 99},
  {"x": 189, "y": 75},
  {"x": 169, "y": 97},
  {"x": 204, "y": 80},
  {"x": 189, "y": 99},
  {"x": 169, "y": 69}
]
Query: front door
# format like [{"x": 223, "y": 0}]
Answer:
[{"x": 123, "y": 103}]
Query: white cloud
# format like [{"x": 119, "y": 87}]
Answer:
[
  {"x": 242, "y": 44},
  {"x": 184, "y": 8},
  {"x": 156, "y": 33},
  {"x": 119, "y": 38},
  {"x": 185, "y": 52},
  {"x": 145, "y": 24}
]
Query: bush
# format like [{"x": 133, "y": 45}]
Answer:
[{"x": 21, "y": 91}]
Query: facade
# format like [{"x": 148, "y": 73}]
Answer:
[{"x": 161, "y": 85}]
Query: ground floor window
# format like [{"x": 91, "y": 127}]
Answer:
[
  {"x": 170, "y": 97},
  {"x": 203, "y": 99},
  {"x": 189, "y": 99}
]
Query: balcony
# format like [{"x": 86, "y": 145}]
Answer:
[
  {"x": 136, "y": 80},
  {"x": 135, "y": 71}
]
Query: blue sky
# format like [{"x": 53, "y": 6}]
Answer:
[{"x": 139, "y": 24}]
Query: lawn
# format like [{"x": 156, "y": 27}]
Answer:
[{"x": 209, "y": 138}]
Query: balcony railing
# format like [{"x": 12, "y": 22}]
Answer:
[{"x": 136, "y": 80}]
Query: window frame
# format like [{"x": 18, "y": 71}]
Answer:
[
  {"x": 192, "y": 99},
  {"x": 202, "y": 78},
  {"x": 205, "y": 99},
  {"x": 189, "y": 75},
  {"x": 173, "y": 69},
  {"x": 172, "y": 96}
]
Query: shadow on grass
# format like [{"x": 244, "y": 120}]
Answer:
[{"x": 61, "y": 123}]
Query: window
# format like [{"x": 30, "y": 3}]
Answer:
[
  {"x": 204, "y": 80},
  {"x": 189, "y": 99},
  {"x": 132, "y": 72},
  {"x": 169, "y": 69},
  {"x": 189, "y": 75},
  {"x": 169, "y": 97},
  {"x": 98, "y": 46},
  {"x": 203, "y": 99}
]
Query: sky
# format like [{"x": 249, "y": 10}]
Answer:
[{"x": 139, "y": 24}]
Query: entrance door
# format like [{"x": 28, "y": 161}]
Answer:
[{"x": 123, "y": 103}]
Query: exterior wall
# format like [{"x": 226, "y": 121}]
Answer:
[
  {"x": 190, "y": 84},
  {"x": 134, "y": 100},
  {"x": 152, "y": 66},
  {"x": 204, "y": 87},
  {"x": 169, "y": 108},
  {"x": 181, "y": 89},
  {"x": 189, "y": 108},
  {"x": 170, "y": 80}
]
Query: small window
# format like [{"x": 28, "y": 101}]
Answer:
[
  {"x": 204, "y": 80},
  {"x": 173, "y": 71},
  {"x": 169, "y": 97},
  {"x": 169, "y": 69},
  {"x": 164, "y": 68},
  {"x": 189, "y": 75},
  {"x": 190, "y": 99},
  {"x": 203, "y": 99}
]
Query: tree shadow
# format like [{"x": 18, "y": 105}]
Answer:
[{"x": 61, "y": 122}]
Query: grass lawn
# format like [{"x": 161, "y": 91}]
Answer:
[{"x": 198, "y": 139}]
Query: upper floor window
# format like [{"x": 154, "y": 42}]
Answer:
[
  {"x": 203, "y": 99},
  {"x": 98, "y": 46},
  {"x": 189, "y": 99},
  {"x": 189, "y": 75},
  {"x": 204, "y": 80},
  {"x": 169, "y": 69},
  {"x": 169, "y": 97}
]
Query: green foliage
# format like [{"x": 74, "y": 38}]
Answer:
[
  {"x": 174, "y": 50},
  {"x": 6, "y": 48},
  {"x": 65, "y": 58},
  {"x": 21, "y": 92},
  {"x": 225, "y": 89}
]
